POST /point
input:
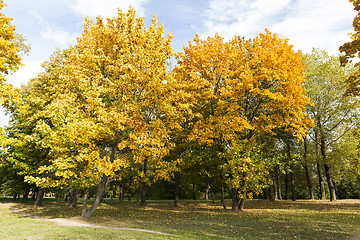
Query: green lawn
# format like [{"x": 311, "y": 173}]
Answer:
[
  {"x": 191, "y": 220},
  {"x": 15, "y": 226}
]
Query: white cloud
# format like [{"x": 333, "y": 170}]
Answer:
[
  {"x": 62, "y": 38},
  {"x": 54, "y": 33},
  {"x": 243, "y": 17},
  {"x": 105, "y": 8},
  {"x": 307, "y": 23},
  {"x": 25, "y": 73}
]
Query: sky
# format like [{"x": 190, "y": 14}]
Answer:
[{"x": 51, "y": 24}]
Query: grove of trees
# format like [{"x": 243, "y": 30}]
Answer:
[{"x": 233, "y": 119}]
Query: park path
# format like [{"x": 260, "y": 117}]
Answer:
[{"x": 75, "y": 223}]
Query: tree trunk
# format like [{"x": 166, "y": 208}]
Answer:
[
  {"x": 318, "y": 166},
  {"x": 130, "y": 185},
  {"x": 74, "y": 194},
  {"x": 14, "y": 197},
  {"x": 235, "y": 200},
  {"x": 34, "y": 193},
  {"x": 26, "y": 196},
  {"x": 223, "y": 195},
  {"x": 242, "y": 203},
  {"x": 307, "y": 172},
  {"x": 143, "y": 194},
  {"x": 330, "y": 183},
  {"x": 275, "y": 187},
  {"x": 40, "y": 197},
  {"x": 86, "y": 213},
  {"x": 321, "y": 182},
  {"x": 194, "y": 190},
  {"x": 292, "y": 183},
  {"x": 66, "y": 196},
  {"x": 286, "y": 184},
  {"x": 272, "y": 192},
  {"x": 113, "y": 193},
  {"x": 309, "y": 183},
  {"x": 336, "y": 188},
  {"x": 144, "y": 185},
  {"x": 138, "y": 192},
  {"x": 177, "y": 188},
  {"x": 99, "y": 196},
  {"x": 293, "y": 195},
  {"x": 85, "y": 201},
  {"x": 278, "y": 183},
  {"x": 121, "y": 191},
  {"x": 327, "y": 171},
  {"x": 212, "y": 195},
  {"x": 207, "y": 189}
]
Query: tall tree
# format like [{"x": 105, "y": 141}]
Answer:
[
  {"x": 239, "y": 89},
  {"x": 115, "y": 95},
  {"x": 29, "y": 148},
  {"x": 333, "y": 113}
]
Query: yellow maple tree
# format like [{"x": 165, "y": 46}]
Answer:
[
  {"x": 114, "y": 96},
  {"x": 240, "y": 89}
]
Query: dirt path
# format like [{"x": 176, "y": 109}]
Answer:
[{"x": 75, "y": 223}]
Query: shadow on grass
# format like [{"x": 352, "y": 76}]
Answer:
[{"x": 261, "y": 219}]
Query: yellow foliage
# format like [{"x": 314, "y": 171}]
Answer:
[
  {"x": 239, "y": 88},
  {"x": 110, "y": 92},
  {"x": 10, "y": 59}
]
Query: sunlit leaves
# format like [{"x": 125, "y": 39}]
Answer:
[
  {"x": 240, "y": 86},
  {"x": 9, "y": 57},
  {"x": 240, "y": 89},
  {"x": 351, "y": 50},
  {"x": 110, "y": 95}
]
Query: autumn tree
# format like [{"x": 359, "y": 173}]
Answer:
[
  {"x": 239, "y": 89},
  {"x": 28, "y": 148},
  {"x": 113, "y": 104},
  {"x": 12, "y": 45}
]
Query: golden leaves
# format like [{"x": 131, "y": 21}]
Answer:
[
  {"x": 9, "y": 59},
  {"x": 111, "y": 93},
  {"x": 109, "y": 101},
  {"x": 240, "y": 86}
]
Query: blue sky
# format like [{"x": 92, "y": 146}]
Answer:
[{"x": 51, "y": 24}]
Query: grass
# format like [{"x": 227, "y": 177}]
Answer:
[
  {"x": 191, "y": 220},
  {"x": 15, "y": 226}
]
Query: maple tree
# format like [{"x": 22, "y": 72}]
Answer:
[
  {"x": 239, "y": 89},
  {"x": 113, "y": 104}
]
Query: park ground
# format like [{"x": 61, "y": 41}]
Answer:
[{"x": 115, "y": 219}]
